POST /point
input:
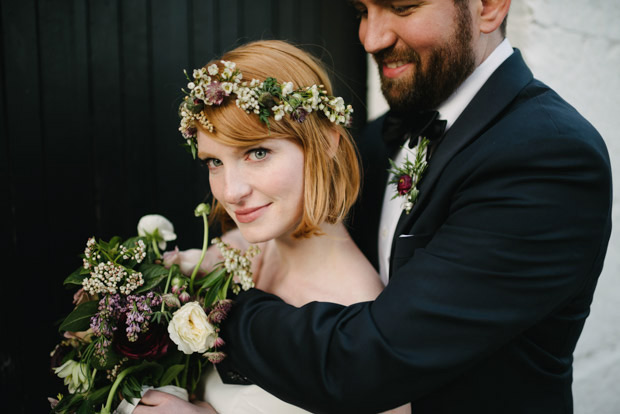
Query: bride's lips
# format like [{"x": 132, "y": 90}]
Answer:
[
  {"x": 395, "y": 69},
  {"x": 248, "y": 215}
]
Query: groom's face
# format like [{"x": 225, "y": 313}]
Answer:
[{"x": 423, "y": 48}]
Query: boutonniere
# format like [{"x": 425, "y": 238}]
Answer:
[{"x": 408, "y": 175}]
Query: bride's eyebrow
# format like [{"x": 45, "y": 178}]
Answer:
[{"x": 240, "y": 150}]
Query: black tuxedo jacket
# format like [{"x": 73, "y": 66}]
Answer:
[{"x": 489, "y": 288}]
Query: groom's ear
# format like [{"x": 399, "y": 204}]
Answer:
[{"x": 492, "y": 14}]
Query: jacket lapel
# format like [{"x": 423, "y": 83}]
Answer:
[{"x": 495, "y": 95}]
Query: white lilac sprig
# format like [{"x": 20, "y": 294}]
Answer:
[
  {"x": 407, "y": 176},
  {"x": 268, "y": 98},
  {"x": 108, "y": 273},
  {"x": 238, "y": 265}
]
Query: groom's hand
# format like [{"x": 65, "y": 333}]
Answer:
[{"x": 156, "y": 402}]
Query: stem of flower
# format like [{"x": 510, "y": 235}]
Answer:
[
  {"x": 205, "y": 244},
  {"x": 185, "y": 370},
  {"x": 155, "y": 248},
  {"x": 108, "y": 405},
  {"x": 92, "y": 378},
  {"x": 166, "y": 289}
]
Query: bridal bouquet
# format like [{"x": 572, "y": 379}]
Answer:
[{"x": 139, "y": 321}]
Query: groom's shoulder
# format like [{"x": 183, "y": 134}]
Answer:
[{"x": 370, "y": 135}]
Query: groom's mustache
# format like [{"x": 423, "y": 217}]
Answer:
[{"x": 392, "y": 54}]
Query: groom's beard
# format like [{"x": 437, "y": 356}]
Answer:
[{"x": 429, "y": 85}]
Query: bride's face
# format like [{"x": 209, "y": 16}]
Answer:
[{"x": 260, "y": 186}]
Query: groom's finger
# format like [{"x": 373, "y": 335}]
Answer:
[{"x": 152, "y": 397}]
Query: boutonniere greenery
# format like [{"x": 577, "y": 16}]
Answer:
[{"x": 407, "y": 176}]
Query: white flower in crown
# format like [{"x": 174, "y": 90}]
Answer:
[
  {"x": 267, "y": 99},
  {"x": 287, "y": 88}
]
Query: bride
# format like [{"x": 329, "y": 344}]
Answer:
[{"x": 284, "y": 172}]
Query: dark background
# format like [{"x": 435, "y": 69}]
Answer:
[{"x": 89, "y": 143}]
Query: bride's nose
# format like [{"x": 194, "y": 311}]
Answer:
[{"x": 236, "y": 186}]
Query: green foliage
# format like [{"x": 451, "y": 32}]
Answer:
[
  {"x": 79, "y": 319},
  {"x": 76, "y": 277},
  {"x": 171, "y": 373},
  {"x": 153, "y": 275}
]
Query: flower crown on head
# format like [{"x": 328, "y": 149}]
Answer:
[{"x": 210, "y": 86}]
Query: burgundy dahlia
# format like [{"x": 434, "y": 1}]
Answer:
[
  {"x": 404, "y": 184},
  {"x": 151, "y": 345}
]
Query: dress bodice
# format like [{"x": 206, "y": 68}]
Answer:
[{"x": 242, "y": 399}]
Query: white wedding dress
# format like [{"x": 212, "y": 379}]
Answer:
[{"x": 242, "y": 399}]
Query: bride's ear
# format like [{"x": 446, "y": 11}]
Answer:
[{"x": 334, "y": 138}]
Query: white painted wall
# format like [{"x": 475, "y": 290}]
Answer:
[{"x": 574, "y": 47}]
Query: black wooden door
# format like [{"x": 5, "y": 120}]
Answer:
[{"x": 89, "y": 141}]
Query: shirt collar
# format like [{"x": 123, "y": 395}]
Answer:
[{"x": 452, "y": 108}]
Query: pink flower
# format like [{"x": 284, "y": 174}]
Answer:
[
  {"x": 215, "y": 357},
  {"x": 81, "y": 296},
  {"x": 187, "y": 260},
  {"x": 404, "y": 184}
]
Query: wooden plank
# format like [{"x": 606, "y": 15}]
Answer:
[
  {"x": 348, "y": 70},
  {"x": 287, "y": 20},
  {"x": 229, "y": 13},
  {"x": 7, "y": 223},
  {"x": 107, "y": 117},
  {"x": 172, "y": 167},
  {"x": 137, "y": 105},
  {"x": 24, "y": 138},
  {"x": 65, "y": 133},
  {"x": 256, "y": 19},
  {"x": 65, "y": 122},
  {"x": 205, "y": 32}
]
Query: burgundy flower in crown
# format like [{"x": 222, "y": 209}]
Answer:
[{"x": 215, "y": 93}]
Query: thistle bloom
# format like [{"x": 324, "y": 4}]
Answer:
[
  {"x": 215, "y": 93},
  {"x": 215, "y": 357}
]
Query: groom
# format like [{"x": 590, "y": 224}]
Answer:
[{"x": 492, "y": 271}]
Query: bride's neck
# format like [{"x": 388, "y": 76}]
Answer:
[{"x": 290, "y": 257}]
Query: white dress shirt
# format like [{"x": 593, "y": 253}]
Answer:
[{"x": 450, "y": 110}]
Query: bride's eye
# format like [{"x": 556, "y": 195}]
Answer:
[
  {"x": 212, "y": 163},
  {"x": 258, "y": 154}
]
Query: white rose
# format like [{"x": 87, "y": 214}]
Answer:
[
  {"x": 159, "y": 227},
  {"x": 190, "y": 330}
]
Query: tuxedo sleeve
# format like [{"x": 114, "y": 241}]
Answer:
[{"x": 524, "y": 233}]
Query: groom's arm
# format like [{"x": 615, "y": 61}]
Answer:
[{"x": 524, "y": 235}]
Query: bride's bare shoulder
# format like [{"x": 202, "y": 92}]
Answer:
[{"x": 359, "y": 279}]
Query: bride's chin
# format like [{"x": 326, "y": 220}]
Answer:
[{"x": 253, "y": 238}]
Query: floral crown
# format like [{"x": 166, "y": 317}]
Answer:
[{"x": 210, "y": 86}]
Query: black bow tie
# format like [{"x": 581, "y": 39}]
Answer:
[{"x": 398, "y": 127}]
